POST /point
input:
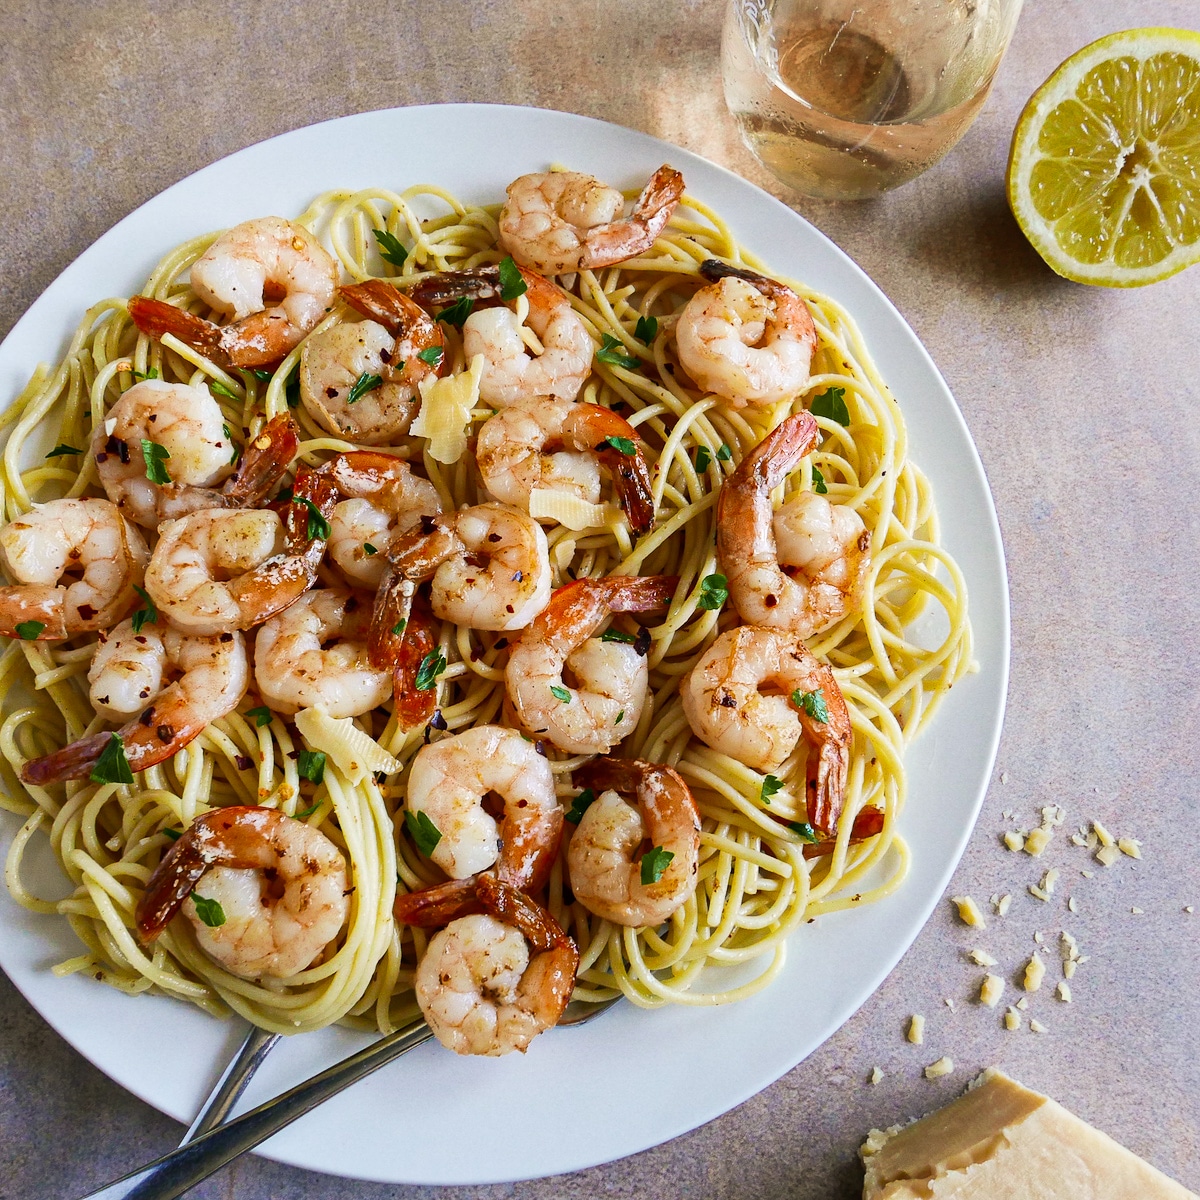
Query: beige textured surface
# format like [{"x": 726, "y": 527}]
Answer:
[{"x": 1082, "y": 403}]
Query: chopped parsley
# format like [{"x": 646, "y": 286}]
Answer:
[
  {"x": 622, "y": 444},
  {"x": 561, "y": 693},
  {"x": 512, "y": 282},
  {"x": 770, "y": 785},
  {"x": 724, "y": 454},
  {"x": 209, "y": 911},
  {"x": 819, "y": 483},
  {"x": 143, "y": 375},
  {"x": 215, "y": 385},
  {"x": 291, "y": 389},
  {"x": 813, "y": 703},
  {"x": 399, "y": 627},
  {"x": 803, "y": 830},
  {"x": 237, "y": 450},
  {"x": 432, "y": 355},
  {"x": 612, "y": 351},
  {"x": 112, "y": 766},
  {"x": 173, "y": 834},
  {"x": 365, "y": 383},
  {"x": 713, "y": 591},
  {"x": 261, "y": 715},
  {"x": 829, "y": 404},
  {"x": 423, "y": 831},
  {"x": 147, "y": 615},
  {"x": 318, "y": 527},
  {"x": 155, "y": 456},
  {"x": 580, "y": 805},
  {"x": 654, "y": 863},
  {"x": 703, "y": 458},
  {"x": 646, "y": 330},
  {"x": 458, "y": 312},
  {"x": 311, "y": 765},
  {"x": 259, "y": 373},
  {"x": 616, "y": 635},
  {"x": 369, "y": 550},
  {"x": 61, "y": 449},
  {"x": 432, "y": 665},
  {"x": 308, "y": 812},
  {"x": 30, "y": 631},
  {"x": 390, "y": 247}
]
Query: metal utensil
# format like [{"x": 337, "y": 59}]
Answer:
[
  {"x": 183, "y": 1168},
  {"x": 232, "y": 1084}
]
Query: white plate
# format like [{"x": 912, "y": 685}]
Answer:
[{"x": 630, "y": 1079}]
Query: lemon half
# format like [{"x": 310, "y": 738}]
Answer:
[{"x": 1104, "y": 169}]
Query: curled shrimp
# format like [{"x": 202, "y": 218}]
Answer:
[
  {"x": 557, "y": 445},
  {"x": 745, "y": 337},
  {"x": 478, "y": 985},
  {"x": 314, "y": 654},
  {"x": 754, "y": 693},
  {"x": 339, "y": 365},
  {"x": 611, "y": 678},
  {"x": 196, "y": 454},
  {"x": 826, "y": 545},
  {"x": 561, "y": 221},
  {"x": 608, "y": 875},
  {"x": 279, "y": 886},
  {"x": 489, "y": 566},
  {"x": 210, "y": 678},
  {"x": 232, "y": 569},
  {"x": 511, "y": 371},
  {"x": 76, "y": 563},
  {"x": 382, "y": 497},
  {"x": 272, "y": 276}
]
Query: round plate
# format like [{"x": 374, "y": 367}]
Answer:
[{"x": 630, "y": 1079}]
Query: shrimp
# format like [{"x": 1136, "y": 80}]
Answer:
[
  {"x": 402, "y": 648},
  {"x": 280, "y": 888},
  {"x": 510, "y": 373},
  {"x": 340, "y": 362},
  {"x": 272, "y": 276},
  {"x": 826, "y": 544},
  {"x": 558, "y": 445},
  {"x": 314, "y": 654},
  {"x": 195, "y": 449},
  {"x": 566, "y": 221},
  {"x": 746, "y": 338},
  {"x": 212, "y": 676},
  {"x": 612, "y": 676},
  {"x": 383, "y": 497},
  {"x": 478, "y": 986},
  {"x": 232, "y": 569},
  {"x": 608, "y": 876},
  {"x": 76, "y": 563},
  {"x": 754, "y": 693},
  {"x": 490, "y": 567}
]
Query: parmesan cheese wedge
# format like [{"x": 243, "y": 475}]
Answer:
[
  {"x": 445, "y": 414},
  {"x": 353, "y": 752},
  {"x": 567, "y": 509},
  {"x": 1002, "y": 1141}
]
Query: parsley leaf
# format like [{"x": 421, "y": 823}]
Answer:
[
  {"x": 646, "y": 330},
  {"x": 369, "y": 550},
  {"x": 623, "y": 444},
  {"x": 713, "y": 591},
  {"x": 261, "y": 715},
  {"x": 399, "y": 627},
  {"x": 61, "y": 449},
  {"x": 311, "y": 765},
  {"x": 291, "y": 389},
  {"x": 237, "y": 450},
  {"x": 432, "y": 355},
  {"x": 829, "y": 404},
  {"x": 612, "y": 351},
  {"x": 703, "y": 459},
  {"x": 215, "y": 385},
  {"x": 150, "y": 374},
  {"x": 30, "y": 631},
  {"x": 390, "y": 247},
  {"x": 155, "y": 456},
  {"x": 365, "y": 383},
  {"x": 770, "y": 785},
  {"x": 458, "y": 312},
  {"x": 819, "y": 483},
  {"x": 813, "y": 703},
  {"x": 318, "y": 527},
  {"x": 561, "y": 693},
  {"x": 259, "y": 373},
  {"x": 620, "y": 717},
  {"x": 580, "y": 805},
  {"x": 724, "y": 454},
  {"x": 173, "y": 834},
  {"x": 422, "y": 830},
  {"x": 209, "y": 911},
  {"x": 308, "y": 812},
  {"x": 432, "y": 665},
  {"x": 803, "y": 830},
  {"x": 144, "y": 616},
  {"x": 616, "y": 635},
  {"x": 512, "y": 282},
  {"x": 112, "y": 766},
  {"x": 654, "y": 863}
]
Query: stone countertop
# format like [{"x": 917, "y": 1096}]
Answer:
[{"x": 1079, "y": 399}]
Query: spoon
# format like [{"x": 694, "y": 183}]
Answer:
[{"x": 192, "y": 1162}]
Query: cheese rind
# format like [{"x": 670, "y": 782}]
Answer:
[{"x": 1002, "y": 1141}]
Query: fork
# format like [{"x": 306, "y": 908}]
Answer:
[
  {"x": 237, "y": 1074},
  {"x": 194, "y": 1161}
]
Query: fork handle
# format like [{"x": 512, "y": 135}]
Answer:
[
  {"x": 183, "y": 1168},
  {"x": 233, "y": 1081}
]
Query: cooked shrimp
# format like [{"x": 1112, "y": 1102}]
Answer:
[
  {"x": 558, "y": 445},
  {"x": 745, "y": 337},
  {"x": 477, "y": 984},
  {"x": 127, "y": 670},
  {"x": 314, "y": 654},
  {"x": 232, "y": 569},
  {"x": 76, "y": 563},
  {"x": 611, "y": 676},
  {"x": 272, "y": 276},
  {"x": 826, "y": 545},
  {"x": 280, "y": 886},
  {"x": 383, "y": 497},
  {"x": 608, "y": 875},
  {"x": 510, "y": 371},
  {"x": 187, "y": 424},
  {"x": 337, "y": 364},
  {"x": 212, "y": 676},
  {"x": 490, "y": 567},
  {"x": 403, "y": 647},
  {"x": 754, "y": 693},
  {"x": 565, "y": 221}
]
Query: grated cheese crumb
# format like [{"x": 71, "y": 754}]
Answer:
[
  {"x": 1002, "y": 905},
  {"x": 1035, "y": 1026},
  {"x": 1106, "y": 838},
  {"x": 1137, "y": 912},
  {"x": 1022, "y": 1004},
  {"x": 1053, "y": 814},
  {"x": 916, "y": 1029},
  {"x": 1049, "y": 880},
  {"x": 1069, "y": 968},
  {"x": 1087, "y": 874},
  {"x": 1037, "y": 840},
  {"x": 1078, "y": 839},
  {"x": 1091, "y": 841},
  {"x": 949, "y": 1003},
  {"x": 1107, "y": 855},
  {"x": 1187, "y": 908},
  {"x": 968, "y": 911},
  {"x": 1130, "y": 846},
  {"x": 1072, "y": 905},
  {"x": 876, "y": 1075},
  {"x": 1064, "y": 992},
  {"x": 991, "y": 990},
  {"x": 1003, "y": 776},
  {"x": 981, "y": 958},
  {"x": 1038, "y": 892},
  {"x": 1014, "y": 840},
  {"x": 1038, "y": 936},
  {"x": 943, "y": 1066},
  {"x": 1035, "y": 971},
  {"x": 1012, "y": 1018}
]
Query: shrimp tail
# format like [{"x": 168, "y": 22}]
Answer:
[
  {"x": 480, "y": 283},
  {"x": 266, "y": 459},
  {"x": 614, "y": 442},
  {"x": 71, "y": 762},
  {"x": 868, "y": 823},
  {"x": 172, "y": 883},
  {"x": 414, "y": 705},
  {"x": 638, "y": 593},
  {"x": 436, "y": 906},
  {"x": 512, "y": 906},
  {"x": 826, "y": 770},
  {"x": 386, "y": 303},
  {"x": 626, "y": 237},
  {"x": 155, "y": 318},
  {"x": 22, "y": 603}
]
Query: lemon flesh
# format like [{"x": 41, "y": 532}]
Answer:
[{"x": 1104, "y": 170}]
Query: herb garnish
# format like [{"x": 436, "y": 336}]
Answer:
[
  {"x": 829, "y": 404},
  {"x": 432, "y": 665},
  {"x": 580, "y": 805},
  {"x": 209, "y": 911},
  {"x": 147, "y": 615},
  {"x": 422, "y": 830},
  {"x": 654, "y": 863},
  {"x": 561, "y": 693},
  {"x": 112, "y": 766},
  {"x": 61, "y": 449},
  {"x": 622, "y": 444},
  {"x": 612, "y": 351},
  {"x": 432, "y": 355},
  {"x": 318, "y": 527},
  {"x": 155, "y": 456},
  {"x": 713, "y": 591},
  {"x": 30, "y": 631},
  {"x": 458, "y": 312},
  {"x": 646, "y": 330},
  {"x": 819, "y": 483},
  {"x": 770, "y": 785},
  {"x": 261, "y": 715},
  {"x": 390, "y": 247},
  {"x": 813, "y": 703},
  {"x": 512, "y": 282},
  {"x": 311, "y": 765},
  {"x": 365, "y": 383}
]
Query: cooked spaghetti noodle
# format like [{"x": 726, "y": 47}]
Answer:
[{"x": 756, "y": 884}]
